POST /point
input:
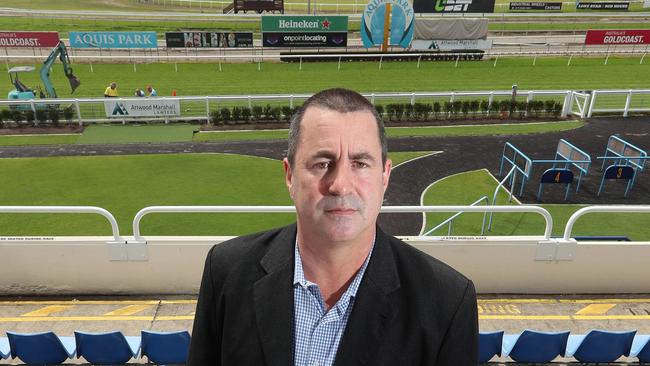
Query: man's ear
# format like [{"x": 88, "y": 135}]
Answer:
[
  {"x": 386, "y": 173},
  {"x": 288, "y": 175}
]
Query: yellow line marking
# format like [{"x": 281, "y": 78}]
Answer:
[
  {"x": 517, "y": 301},
  {"x": 100, "y": 302},
  {"x": 47, "y": 310},
  {"x": 564, "y": 317},
  {"x": 605, "y": 301},
  {"x": 128, "y": 310},
  {"x": 94, "y": 318},
  {"x": 595, "y": 309}
]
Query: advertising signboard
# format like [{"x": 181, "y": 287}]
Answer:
[
  {"x": 209, "y": 39},
  {"x": 453, "y": 6},
  {"x": 603, "y": 5},
  {"x": 304, "y": 23},
  {"x": 401, "y": 21},
  {"x": 143, "y": 107},
  {"x": 337, "y": 39},
  {"x": 113, "y": 40},
  {"x": 29, "y": 39},
  {"x": 616, "y": 37},
  {"x": 451, "y": 44},
  {"x": 304, "y": 31},
  {"x": 523, "y": 5}
]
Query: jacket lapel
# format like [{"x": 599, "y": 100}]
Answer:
[
  {"x": 273, "y": 299},
  {"x": 373, "y": 310}
]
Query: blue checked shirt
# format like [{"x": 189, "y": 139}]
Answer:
[{"x": 317, "y": 331}]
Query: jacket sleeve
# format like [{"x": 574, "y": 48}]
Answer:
[
  {"x": 205, "y": 347},
  {"x": 460, "y": 346}
]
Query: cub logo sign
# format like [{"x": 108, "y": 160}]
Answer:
[{"x": 376, "y": 22}]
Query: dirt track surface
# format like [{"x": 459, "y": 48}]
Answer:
[{"x": 459, "y": 154}]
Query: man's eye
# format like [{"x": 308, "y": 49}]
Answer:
[
  {"x": 360, "y": 164},
  {"x": 322, "y": 165}
]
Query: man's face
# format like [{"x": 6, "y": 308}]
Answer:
[
  {"x": 113, "y": 85},
  {"x": 337, "y": 181}
]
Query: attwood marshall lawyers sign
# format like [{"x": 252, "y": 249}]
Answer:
[
  {"x": 123, "y": 108},
  {"x": 614, "y": 37}
]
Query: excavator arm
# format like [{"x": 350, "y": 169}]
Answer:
[{"x": 58, "y": 52}]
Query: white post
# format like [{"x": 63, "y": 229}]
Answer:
[
  {"x": 419, "y": 58},
  {"x": 76, "y": 105},
  {"x": 381, "y": 59},
  {"x": 91, "y": 67},
  {"x": 207, "y": 109},
  {"x": 568, "y": 101},
  {"x": 592, "y": 102},
  {"x": 339, "y": 67},
  {"x": 534, "y": 60},
  {"x": 300, "y": 67},
  {"x": 457, "y": 58},
  {"x": 627, "y": 103},
  {"x": 642, "y": 57},
  {"x": 176, "y": 66},
  {"x": 495, "y": 61},
  {"x": 569, "y": 63},
  {"x": 607, "y": 58}
]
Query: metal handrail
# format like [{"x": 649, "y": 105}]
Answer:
[
  {"x": 454, "y": 216},
  {"x": 605, "y": 208},
  {"x": 288, "y": 209},
  {"x": 68, "y": 209}
]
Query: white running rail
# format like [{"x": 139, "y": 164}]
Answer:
[{"x": 605, "y": 208}]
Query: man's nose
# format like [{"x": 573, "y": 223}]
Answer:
[{"x": 341, "y": 180}]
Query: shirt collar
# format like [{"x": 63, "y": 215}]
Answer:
[{"x": 299, "y": 274}]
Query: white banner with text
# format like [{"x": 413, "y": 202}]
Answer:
[{"x": 145, "y": 107}]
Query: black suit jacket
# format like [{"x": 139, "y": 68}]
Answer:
[{"x": 410, "y": 309}]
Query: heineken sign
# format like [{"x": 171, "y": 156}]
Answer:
[
  {"x": 304, "y": 31},
  {"x": 305, "y": 23}
]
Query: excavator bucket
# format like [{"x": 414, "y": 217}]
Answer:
[{"x": 74, "y": 82}]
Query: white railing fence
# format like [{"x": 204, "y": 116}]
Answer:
[{"x": 199, "y": 108}]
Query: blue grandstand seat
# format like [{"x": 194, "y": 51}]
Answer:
[
  {"x": 489, "y": 345},
  {"x": 4, "y": 348},
  {"x": 641, "y": 348},
  {"x": 166, "y": 347},
  {"x": 41, "y": 348},
  {"x": 532, "y": 346},
  {"x": 600, "y": 346},
  {"x": 108, "y": 348}
]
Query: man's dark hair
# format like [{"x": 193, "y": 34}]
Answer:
[{"x": 338, "y": 100}]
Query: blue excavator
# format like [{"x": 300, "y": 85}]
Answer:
[{"x": 23, "y": 92}]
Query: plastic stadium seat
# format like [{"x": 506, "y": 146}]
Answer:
[
  {"x": 4, "y": 348},
  {"x": 106, "y": 348},
  {"x": 600, "y": 346},
  {"x": 166, "y": 347},
  {"x": 641, "y": 348},
  {"x": 41, "y": 348},
  {"x": 532, "y": 346},
  {"x": 489, "y": 345}
]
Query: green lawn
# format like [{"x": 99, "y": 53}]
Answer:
[
  {"x": 121, "y": 134},
  {"x": 38, "y": 140},
  {"x": 465, "y": 188},
  {"x": 503, "y": 129},
  {"x": 234, "y": 79},
  {"x": 125, "y": 184}
]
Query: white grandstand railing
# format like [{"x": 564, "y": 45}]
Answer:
[
  {"x": 602, "y": 209},
  {"x": 385, "y": 209},
  {"x": 68, "y": 209}
]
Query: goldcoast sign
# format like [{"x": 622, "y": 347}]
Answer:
[{"x": 380, "y": 16}]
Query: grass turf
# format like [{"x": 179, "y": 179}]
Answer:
[
  {"x": 38, "y": 140},
  {"x": 118, "y": 134},
  {"x": 235, "y": 79},
  {"x": 465, "y": 188},
  {"x": 501, "y": 129}
]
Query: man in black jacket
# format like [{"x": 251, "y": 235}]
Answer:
[{"x": 333, "y": 289}]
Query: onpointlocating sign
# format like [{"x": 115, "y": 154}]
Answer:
[
  {"x": 304, "y": 31},
  {"x": 521, "y": 5},
  {"x": 453, "y": 6},
  {"x": 616, "y": 37},
  {"x": 402, "y": 23},
  {"x": 451, "y": 44},
  {"x": 603, "y": 5},
  {"x": 29, "y": 39},
  {"x": 144, "y": 107},
  {"x": 337, "y": 39},
  {"x": 209, "y": 39},
  {"x": 113, "y": 40}
]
